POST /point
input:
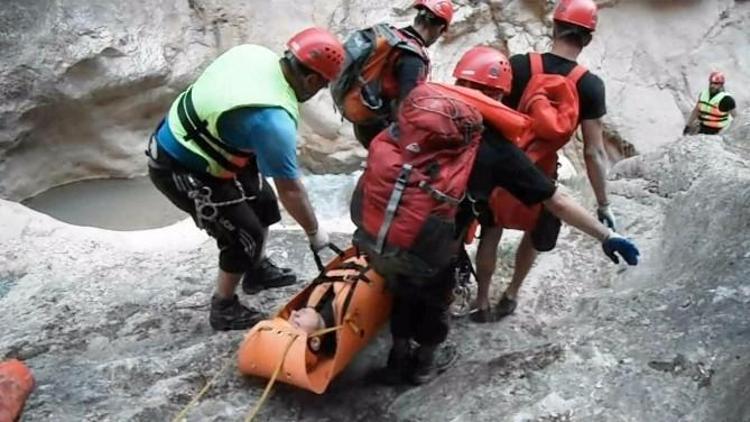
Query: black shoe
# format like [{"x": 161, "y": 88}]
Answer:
[
  {"x": 267, "y": 276},
  {"x": 505, "y": 307},
  {"x": 431, "y": 361},
  {"x": 481, "y": 316},
  {"x": 230, "y": 314},
  {"x": 424, "y": 365},
  {"x": 398, "y": 367}
]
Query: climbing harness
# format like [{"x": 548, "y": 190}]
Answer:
[{"x": 207, "y": 210}]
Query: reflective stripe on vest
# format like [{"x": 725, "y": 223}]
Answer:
[
  {"x": 245, "y": 76},
  {"x": 710, "y": 115}
]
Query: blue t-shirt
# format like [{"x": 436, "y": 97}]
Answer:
[{"x": 269, "y": 132}]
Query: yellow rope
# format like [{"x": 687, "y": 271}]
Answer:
[
  {"x": 325, "y": 331},
  {"x": 254, "y": 412},
  {"x": 357, "y": 330},
  {"x": 256, "y": 409},
  {"x": 180, "y": 416}
]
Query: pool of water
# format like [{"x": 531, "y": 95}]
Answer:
[
  {"x": 135, "y": 204},
  {"x": 116, "y": 204}
]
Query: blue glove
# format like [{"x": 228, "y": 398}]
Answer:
[
  {"x": 618, "y": 244},
  {"x": 606, "y": 217}
]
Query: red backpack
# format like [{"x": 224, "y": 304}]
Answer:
[
  {"x": 551, "y": 101},
  {"x": 406, "y": 201}
]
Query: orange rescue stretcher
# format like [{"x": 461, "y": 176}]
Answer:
[
  {"x": 361, "y": 306},
  {"x": 16, "y": 383}
]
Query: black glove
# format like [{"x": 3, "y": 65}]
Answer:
[{"x": 686, "y": 130}]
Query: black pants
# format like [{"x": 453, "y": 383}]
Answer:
[
  {"x": 420, "y": 307},
  {"x": 239, "y": 228},
  {"x": 708, "y": 130}
]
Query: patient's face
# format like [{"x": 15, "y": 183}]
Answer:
[{"x": 307, "y": 320}]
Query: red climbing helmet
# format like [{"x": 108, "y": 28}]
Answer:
[
  {"x": 440, "y": 8},
  {"x": 486, "y": 66},
  {"x": 717, "y": 78},
  {"x": 319, "y": 50},
  {"x": 576, "y": 12}
]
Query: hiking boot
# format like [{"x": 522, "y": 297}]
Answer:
[
  {"x": 267, "y": 276},
  {"x": 399, "y": 363},
  {"x": 424, "y": 369},
  {"x": 230, "y": 314},
  {"x": 505, "y": 307},
  {"x": 431, "y": 361}
]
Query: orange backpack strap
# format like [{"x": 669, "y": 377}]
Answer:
[
  {"x": 537, "y": 66},
  {"x": 576, "y": 74}
]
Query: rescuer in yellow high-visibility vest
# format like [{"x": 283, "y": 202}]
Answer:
[
  {"x": 715, "y": 108},
  {"x": 234, "y": 126}
]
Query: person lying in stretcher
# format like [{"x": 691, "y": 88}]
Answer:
[
  {"x": 343, "y": 307},
  {"x": 321, "y": 312},
  {"x": 313, "y": 319}
]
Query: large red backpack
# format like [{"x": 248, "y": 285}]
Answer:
[
  {"x": 417, "y": 172},
  {"x": 551, "y": 101}
]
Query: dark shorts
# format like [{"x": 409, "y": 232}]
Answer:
[
  {"x": 543, "y": 236},
  {"x": 239, "y": 226}
]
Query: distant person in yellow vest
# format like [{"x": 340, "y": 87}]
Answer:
[
  {"x": 236, "y": 125},
  {"x": 715, "y": 108}
]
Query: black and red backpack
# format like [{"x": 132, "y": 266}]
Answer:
[{"x": 417, "y": 172}]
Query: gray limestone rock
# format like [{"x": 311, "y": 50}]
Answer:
[{"x": 114, "y": 324}]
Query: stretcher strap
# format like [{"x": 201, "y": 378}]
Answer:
[
  {"x": 323, "y": 277},
  {"x": 326, "y": 299},
  {"x": 347, "y": 301},
  {"x": 319, "y": 262}
]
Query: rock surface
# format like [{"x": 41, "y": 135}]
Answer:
[
  {"x": 83, "y": 84},
  {"x": 114, "y": 324}
]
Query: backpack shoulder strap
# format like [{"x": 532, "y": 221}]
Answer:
[
  {"x": 398, "y": 40},
  {"x": 576, "y": 74},
  {"x": 537, "y": 66}
]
